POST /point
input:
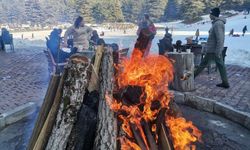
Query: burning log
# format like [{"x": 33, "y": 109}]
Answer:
[
  {"x": 184, "y": 67},
  {"x": 150, "y": 138},
  {"x": 73, "y": 93},
  {"x": 129, "y": 95},
  {"x": 164, "y": 142},
  {"x": 138, "y": 137},
  {"x": 148, "y": 115},
  {"x": 44, "y": 110},
  {"x": 106, "y": 137}
]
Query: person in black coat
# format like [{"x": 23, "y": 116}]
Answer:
[
  {"x": 53, "y": 44},
  {"x": 166, "y": 43},
  {"x": 244, "y": 30}
]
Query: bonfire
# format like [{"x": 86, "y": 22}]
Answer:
[
  {"x": 138, "y": 114},
  {"x": 81, "y": 107}
]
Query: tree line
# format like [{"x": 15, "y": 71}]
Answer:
[{"x": 45, "y": 12}]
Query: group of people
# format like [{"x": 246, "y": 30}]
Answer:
[
  {"x": 214, "y": 46},
  {"x": 83, "y": 35},
  {"x": 244, "y": 30},
  {"x": 78, "y": 38}
]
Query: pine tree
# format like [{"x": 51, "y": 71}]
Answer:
[
  {"x": 33, "y": 12},
  {"x": 132, "y": 9},
  {"x": 118, "y": 11},
  {"x": 83, "y": 8},
  {"x": 3, "y": 16},
  {"x": 155, "y": 8},
  {"x": 171, "y": 11},
  {"x": 230, "y": 4},
  {"x": 98, "y": 13},
  {"x": 192, "y": 10}
]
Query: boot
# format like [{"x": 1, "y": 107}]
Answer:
[{"x": 223, "y": 85}]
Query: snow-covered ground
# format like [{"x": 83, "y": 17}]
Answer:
[{"x": 238, "y": 52}]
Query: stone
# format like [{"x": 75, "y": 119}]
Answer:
[
  {"x": 247, "y": 122},
  {"x": 230, "y": 113},
  {"x": 200, "y": 103},
  {"x": 19, "y": 113},
  {"x": 179, "y": 97},
  {"x": 2, "y": 121}
]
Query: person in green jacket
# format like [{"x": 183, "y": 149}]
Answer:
[{"x": 215, "y": 46}]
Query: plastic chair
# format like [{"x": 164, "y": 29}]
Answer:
[{"x": 7, "y": 38}]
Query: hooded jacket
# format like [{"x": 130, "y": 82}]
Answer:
[{"x": 215, "y": 42}]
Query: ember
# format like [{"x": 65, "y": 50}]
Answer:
[{"x": 152, "y": 74}]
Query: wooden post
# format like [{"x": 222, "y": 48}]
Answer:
[
  {"x": 183, "y": 73},
  {"x": 44, "y": 110},
  {"x": 94, "y": 80},
  {"x": 75, "y": 85},
  {"x": 106, "y": 134}
]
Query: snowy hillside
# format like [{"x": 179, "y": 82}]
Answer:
[{"x": 236, "y": 22}]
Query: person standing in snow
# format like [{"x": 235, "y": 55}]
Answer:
[
  {"x": 197, "y": 34},
  {"x": 244, "y": 30},
  {"x": 215, "y": 46},
  {"x": 231, "y": 33}
]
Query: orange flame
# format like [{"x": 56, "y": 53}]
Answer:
[
  {"x": 128, "y": 145},
  {"x": 152, "y": 74},
  {"x": 183, "y": 132}
]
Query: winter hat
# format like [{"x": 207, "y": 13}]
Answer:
[{"x": 215, "y": 12}]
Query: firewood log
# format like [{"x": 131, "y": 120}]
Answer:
[
  {"x": 164, "y": 142},
  {"x": 42, "y": 139},
  {"x": 44, "y": 110},
  {"x": 150, "y": 138},
  {"x": 138, "y": 137},
  {"x": 184, "y": 67},
  {"x": 94, "y": 80},
  {"x": 106, "y": 133},
  {"x": 73, "y": 93},
  {"x": 83, "y": 133}
]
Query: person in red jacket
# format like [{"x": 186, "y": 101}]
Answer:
[{"x": 146, "y": 33}]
